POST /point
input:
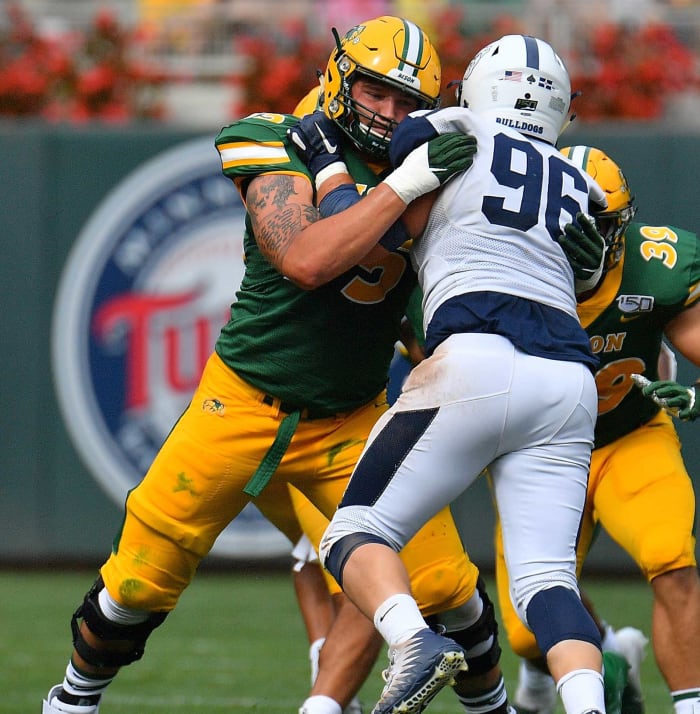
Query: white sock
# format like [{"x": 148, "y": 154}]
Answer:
[
  {"x": 581, "y": 691},
  {"x": 685, "y": 703},
  {"x": 320, "y": 704},
  {"x": 493, "y": 699},
  {"x": 398, "y": 618},
  {"x": 314, "y": 654},
  {"x": 82, "y": 685}
]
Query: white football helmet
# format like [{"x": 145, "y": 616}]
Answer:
[{"x": 521, "y": 82}]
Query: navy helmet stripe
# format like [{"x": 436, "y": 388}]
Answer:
[{"x": 532, "y": 52}]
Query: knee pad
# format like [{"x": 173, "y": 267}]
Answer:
[
  {"x": 91, "y": 614},
  {"x": 557, "y": 614},
  {"x": 480, "y": 639},
  {"x": 334, "y": 560}
]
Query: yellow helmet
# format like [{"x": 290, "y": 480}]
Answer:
[
  {"x": 310, "y": 102},
  {"x": 392, "y": 50},
  {"x": 613, "y": 221}
]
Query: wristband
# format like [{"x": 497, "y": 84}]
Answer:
[
  {"x": 337, "y": 167},
  {"x": 395, "y": 236},
  {"x": 346, "y": 195},
  {"x": 337, "y": 200},
  {"x": 582, "y": 285}
]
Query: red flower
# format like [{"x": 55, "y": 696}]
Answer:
[
  {"x": 75, "y": 76},
  {"x": 94, "y": 74},
  {"x": 97, "y": 81}
]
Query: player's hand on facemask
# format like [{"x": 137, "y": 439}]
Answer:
[
  {"x": 423, "y": 125},
  {"x": 432, "y": 165},
  {"x": 317, "y": 141},
  {"x": 410, "y": 133},
  {"x": 585, "y": 250},
  {"x": 675, "y": 398}
]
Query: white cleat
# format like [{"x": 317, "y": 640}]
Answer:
[
  {"x": 631, "y": 644},
  {"x": 51, "y": 705},
  {"x": 418, "y": 669}
]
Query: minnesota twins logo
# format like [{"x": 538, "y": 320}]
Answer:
[{"x": 142, "y": 298}]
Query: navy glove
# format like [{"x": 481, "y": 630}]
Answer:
[
  {"x": 410, "y": 132},
  {"x": 316, "y": 140},
  {"x": 585, "y": 249}
]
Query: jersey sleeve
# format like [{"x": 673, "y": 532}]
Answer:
[
  {"x": 258, "y": 145},
  {"x": 662, "y": 262},
  {"x": 694, "y": 270},
  {"x": 675, "y": 252}
]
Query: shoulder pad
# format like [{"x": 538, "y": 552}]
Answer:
[{"x": 258, "y": 144}]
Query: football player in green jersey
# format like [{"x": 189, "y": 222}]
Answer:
[
  {"x": 297, "y": 378},
  {"x": 639, "y": 489}
]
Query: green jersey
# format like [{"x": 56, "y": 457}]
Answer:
[
  {"x": 657, "y": 278},
  {"x": 327, "y": 349}
]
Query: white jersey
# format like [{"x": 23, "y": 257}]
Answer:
[
  {"x": 493, "y": 228},
  {"x": 500, "y": 322}
]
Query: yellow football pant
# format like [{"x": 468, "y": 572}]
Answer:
[
  {"x": 194, "y": 489},
  {"x": 434, "y": 557},
  {"x": 640, "y": 492}
]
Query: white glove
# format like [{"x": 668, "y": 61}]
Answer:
[{"x": 431, "y": 165}]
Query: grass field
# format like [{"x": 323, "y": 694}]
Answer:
[{"x": 235, "y": 644}]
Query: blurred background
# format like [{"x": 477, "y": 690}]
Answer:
[
  {"x": 202, "y": 62},
  {"x": 122, "y": 242}
]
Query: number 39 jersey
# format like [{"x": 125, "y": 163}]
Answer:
[{"x": 658, "y": 277}]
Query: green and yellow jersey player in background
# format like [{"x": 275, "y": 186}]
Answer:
[{"x": 639, "y": 489}]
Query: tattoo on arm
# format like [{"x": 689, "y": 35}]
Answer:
[{"x": 278, "y": 213}]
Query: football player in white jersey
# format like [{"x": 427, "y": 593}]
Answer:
[{"x": 507, "y": 383}]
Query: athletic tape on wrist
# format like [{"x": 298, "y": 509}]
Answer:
[
  {"x": 337, "y": 167},
  {"x": 403, "y": 185}
]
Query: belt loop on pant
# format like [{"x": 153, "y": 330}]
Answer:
[
  {"x": 272, "y": 458},
  {"x": 313, "y": 414},
  {"x": 304, "y": 412}
]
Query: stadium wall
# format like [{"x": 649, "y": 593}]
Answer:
[{"x": 64, "y": 185}]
